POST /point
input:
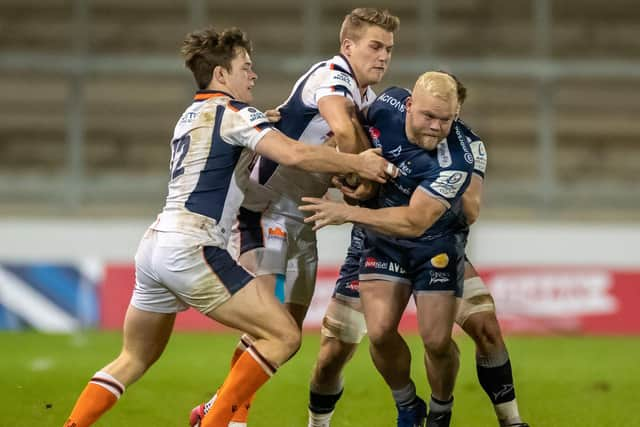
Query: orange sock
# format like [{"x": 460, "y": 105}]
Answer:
[
  {"x": 248, "y": 374},
  {"x": 242, "y": 414},
  {"x": 102, "y": 392}
]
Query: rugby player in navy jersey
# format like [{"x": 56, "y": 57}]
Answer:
[
  {"x": 182, "y": 260},
  {"x": 414, "y": 241},
  {"x": 343, "y": 325}
]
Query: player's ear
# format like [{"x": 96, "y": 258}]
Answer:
[
  {"x": 409, "y": 103},
  {"x": 219, "y": 74},
  {"x": 346, "y": 47}
]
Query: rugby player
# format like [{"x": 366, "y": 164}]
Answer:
[
  {"x": 182, "y": 259},
  {"x": 344, "y": 327},
  {"x": 414, "y": 241},
  {"x": 271, "y": 238}
]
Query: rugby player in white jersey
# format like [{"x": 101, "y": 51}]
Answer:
[
  {"x": 182, "y": 260},
  {"x": 271, "y": 237}
]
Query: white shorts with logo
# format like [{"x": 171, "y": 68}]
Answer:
[
  {"x": 270, "y": 243},
  {"x": 175, "y": 271}
]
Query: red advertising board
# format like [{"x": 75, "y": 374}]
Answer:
[{"x": 539, "y": 300}]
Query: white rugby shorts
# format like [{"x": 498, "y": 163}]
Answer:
[
  {"x": 175, "y": 271},
  {"x": 269, "y": 243}
]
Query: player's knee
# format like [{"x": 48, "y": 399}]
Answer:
[
  {"x": 438, "y": 343},
  {"x": 290, "y": 339},
  {"x": 344, "y": 324},
  {"x": 484, "y": 329},
  {"x": 381, "y": 332}
]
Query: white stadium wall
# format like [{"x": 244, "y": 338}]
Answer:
[{"x": 545, "y": 277}]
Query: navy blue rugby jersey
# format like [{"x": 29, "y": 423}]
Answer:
[{"x": 443, "y": 173}]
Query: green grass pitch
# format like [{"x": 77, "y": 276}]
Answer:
[{"x": 560, "y": 381}]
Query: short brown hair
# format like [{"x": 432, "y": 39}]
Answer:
[
  {"x": 357, "y": 20},
  {"x": 204, "y": 50}
]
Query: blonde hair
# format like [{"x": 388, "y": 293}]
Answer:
[
  {"x": 359, "y": 19},
  {"x": 438, "y": 84}
]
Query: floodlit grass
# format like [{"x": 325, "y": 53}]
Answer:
[{"x": 560, "y": 381}]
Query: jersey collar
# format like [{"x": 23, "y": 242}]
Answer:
[{"x": 203, "y": 95}]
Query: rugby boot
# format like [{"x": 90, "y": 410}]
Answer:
[
  {"x": 196, "y": 415},
  {"x": 438, "y": 419}
]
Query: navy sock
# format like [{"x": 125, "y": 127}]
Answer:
[
  {"x": 497, "y": 382},
  {"x": 323, "y": 403}
]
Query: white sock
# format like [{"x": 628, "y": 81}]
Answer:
[
  {"x": 507, "y": 413},
  {"x": 319, "y": 420}
]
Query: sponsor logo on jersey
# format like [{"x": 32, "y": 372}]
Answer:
[
  {"x": 354, "y": 285},
  {"x": 440, "y": 260},
  {"x": 256, "y": 115},
  {"x": 468, "y": 156},
  {"x": 188, "y": 117},
  {"x": 444, "y": 155},
  {"x": 479, "y": 156},
  {"x": 276, "y": 233},
  {"x": 405, "y": 168},
  {"x": 374, "y": 133},
  {"x": 394, "y": 102},
  {"x": 371, "y": 262},
  {"x": 405, "y": 190},
  {"x": 253, "y": 115},
  {"x": 438, "y": 277},
  {"x": 342, "y": 77},
  {"x": 396, "y": 268}
]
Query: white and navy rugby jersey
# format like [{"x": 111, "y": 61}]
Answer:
[
  {"x": 443, "y": 173},
  {"x": 301, "y": 120},
  {"x": 209, "y": 167}
]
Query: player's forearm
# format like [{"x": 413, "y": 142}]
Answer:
[
  {"x": 325, "y": 159},
  {"x": 346, "y": 140},
  {"x": 472, "y": 199},
  {"x": 396, "y": 221},
  {"x": 470, "y": 207}
]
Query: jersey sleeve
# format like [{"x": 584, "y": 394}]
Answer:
[
  {"x": 479, "y": 157},
  {"x": 445, "y": 185},
  {"x": 335, "y": 82},
  {"x": 243, "y": 125}
]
